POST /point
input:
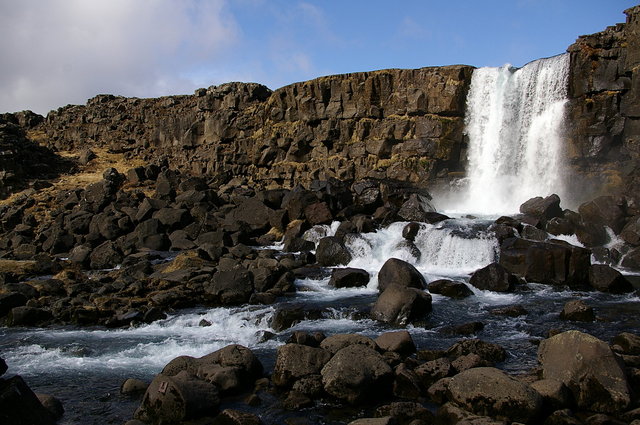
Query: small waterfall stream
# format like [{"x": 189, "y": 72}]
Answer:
[{"x": 514, "y": 122}]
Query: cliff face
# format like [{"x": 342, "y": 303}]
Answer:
[
  {"x": 399, "y": 124},
  {"x": 604, "y": 107}
]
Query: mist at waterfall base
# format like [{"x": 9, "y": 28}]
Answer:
[
  {"x": 514, "y": 124},
  {"x": 85, "y": 367}
]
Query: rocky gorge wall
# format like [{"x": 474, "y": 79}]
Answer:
[
  {"x": 398, "y": 124},
  {"x": 392, "y": 124}
]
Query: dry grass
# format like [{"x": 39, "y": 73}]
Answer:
[{"x": 83, "y": 175}]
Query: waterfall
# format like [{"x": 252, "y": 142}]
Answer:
[{"x": 514, "y": 124}]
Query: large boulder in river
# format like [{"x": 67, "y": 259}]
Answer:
[
  {"x": 450, "y": 288},
  {"x": 400, "y": 273},
  {"x": 493, "y": 277},
  {"x": 588, "y": 367},
  {"x": 551, "y": 262},
  {"x": 331, "y": 251},
  {"x": 356, "y": 374},
  {"x": 230, "y": 287},
  {"x": 491, "y": 392},
  {"x": 401, "y": 305},
  {"x": 604, "y": 211},
  {"x": 349, "y": 278},
  {"x": 542, "y": 208},
  {"x": 19, "y": 405},
  {"x": 607, "y": 279}
]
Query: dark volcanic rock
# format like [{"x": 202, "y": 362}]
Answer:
[
  {"x": 331, "y": 251},
  {"x": 348, "y": 278},
  {"x": 19, "y": 405},
  {"x": 607, "y": 279},
  {"x": 577, "y": 311},
  {"x": 450, "y": 288},
  {"x": 401, "y": 305},
  {"x": 357, "y": 374},
  {"x": 493, "y": 277},
  {"x": 400, "y": 273},
  {"x": 295, "y": 361},
  {"x": 230, "y": 287},
  {"x": 542, "y": 208}
]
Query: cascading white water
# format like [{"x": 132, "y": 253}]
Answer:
[{"x": 514, "y": 123}]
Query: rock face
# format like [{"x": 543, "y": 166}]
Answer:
[
  {"x": 401, "y": 124},
  {"x": 588, "y": 367},
  {"x": 604, "y": 107}
]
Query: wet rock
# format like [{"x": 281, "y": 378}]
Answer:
[
  {"x": 414, "y": 209},
  {"x": 510, "y": 311},
  {"x": 133, "y": 386},
  {"x": 577, "y": 311},
  {"x": 397, "y": 341},
  {"x": 438, "y": 391},
  {"x": 349, "y": 278},
  {"x": 306, "y": 338},
  {"x": 295, "y": 361},
  {"x": 607, "y": 279},
  {"x": 464, "y": 329},
  {"x": 52, "y": 404},
  {"x": 493, "y": 277},
  {"x": 631, "y": 259},
  {"x": 11, "y": 300},
  {"x": 356, "y": 374},
  {"x": 551, "y": 262},
  {"x": 486, "y": 350},
  {"x": 310, "y": 386},
  {"x": 386, "y": 420},
  {"x": 490, "y": 392},
  {"x": 331, "y": 251},
  {"x": 28, "y": 316},
  {"x": 318, "y": 213},
  {"x": 603, "y": 211},
  {"x": 232, "y": 287},
  {"x": 469, "y": 361},
  {"x": 450, "y": 288},
  {"x": 3, "y": 366},
  {"x": 401, "y": 305},
  {"x": 284, "y": 318},
  {"x": 542, "y": 208},
  {"x": 631, "y": 231},
  {"x": 335, "y": 343},
  {"x": 399, "y": 273},
  {"x": 410, "y": 231},
  {"x": 177, "y": 398},
  {"x": 19, "y": 405},
  {"x": 588, "y": 367}
]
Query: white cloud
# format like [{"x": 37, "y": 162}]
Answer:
[{"x": 64, "y": 51}]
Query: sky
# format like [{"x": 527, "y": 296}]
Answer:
[{"x": 59, "y": 52}]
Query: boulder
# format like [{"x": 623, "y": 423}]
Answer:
[
  {"x": 631, "y": 259},
  {"x": 349, "y": 278},
  {"x": 52, "y": 404},
  {"x": 335, "y": 343},
  {"x": 410, "y": 231},
  {"x": 486, "y": 350},
  {"x": 589, "y": 368},
  {"x": 19, "y": 405},
  {"x": 555, "y": 394},
  {"x": 177, "y": 398},
  {"x": 357, "y": 374},
  {"x": 415, "y": 209},
  {"x": 295, "y": 361},
  {"x": 626, "y": 343},
  {"x": 432, "y": 371},
  {"x": 490, "y": 392},
  {"x": 133, "y": 386},
  {"x": 631, "y": 231},
  {"x": 397, "y": 341},
  {"x": 577, "y": 311},
  {"x": 10, "y": 300},
  {"x": 493, "y": 277},
  {"x": 28, "y": 316},
  {"x": 550, "y": 262},
  {"x": 604, "y": 211},
  {"x": 318, "y": 213},
  {"x": 331, "y": 251},
  {"x": 105, "y": 256},
  {"x": 406, "y": 412},
  {"x": 542, "y": 208},
  {"x": 406, "y": 383},
  {"x": 450, "y": 414},
  {"x": 450, "y": 288},
  {"x": 607, "y": 279},
  {"x": 399, "y": 273},
  {"x": 231, "y": 287},
  {"x": 3, "y": 366},
  {"x": 401, "y": 305}
]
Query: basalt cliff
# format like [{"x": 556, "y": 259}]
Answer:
[{"x": 398, "y": 124}]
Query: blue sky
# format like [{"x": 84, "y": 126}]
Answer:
[{"x": 56, "y": 52}]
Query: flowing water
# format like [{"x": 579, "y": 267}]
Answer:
[
  {"x": 85, "y": 367},
  {"x": 514, "y": 123}
]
